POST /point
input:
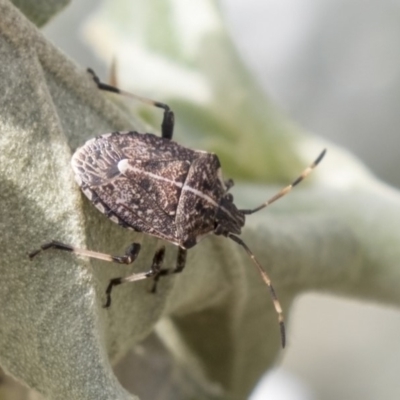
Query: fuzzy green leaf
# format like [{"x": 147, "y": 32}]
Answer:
[{"x": 214, "y": 327}]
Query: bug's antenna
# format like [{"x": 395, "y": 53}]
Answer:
[
  {"x": 267, "y": 280},
  {"x": 288, "y": 188}
]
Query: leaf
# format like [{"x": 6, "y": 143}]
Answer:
[
  {"x": 214, "y": 327},
  {"x": 40, "y": 11}
]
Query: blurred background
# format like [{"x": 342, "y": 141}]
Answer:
[{"x": 333, "y": 67}]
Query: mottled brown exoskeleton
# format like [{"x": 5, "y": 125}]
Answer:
[{"x": 153, "y": 185}]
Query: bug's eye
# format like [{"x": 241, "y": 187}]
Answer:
[{"x": 229, "y": 197}]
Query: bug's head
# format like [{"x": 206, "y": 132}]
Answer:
[{"x": 228, "y": 219}]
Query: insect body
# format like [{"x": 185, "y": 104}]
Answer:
[{"x": 153, "y": 185}]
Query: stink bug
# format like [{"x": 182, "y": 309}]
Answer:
[{"x": 153, "y": 185}]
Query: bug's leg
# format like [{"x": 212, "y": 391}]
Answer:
[
  {"x": 153, "y": 272},
  {"x": 180, "y": 261},
  {"x": 128, "y": 258},
  {"x": 180, "y": 265},
  {"x": 167, "y": 125}
]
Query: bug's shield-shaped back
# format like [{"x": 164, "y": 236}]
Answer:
[
  {"x": 201, "y": 196},
  {"x": 151, "y": 185}
]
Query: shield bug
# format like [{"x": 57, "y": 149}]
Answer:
[{"x": 153, "y": 185}]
